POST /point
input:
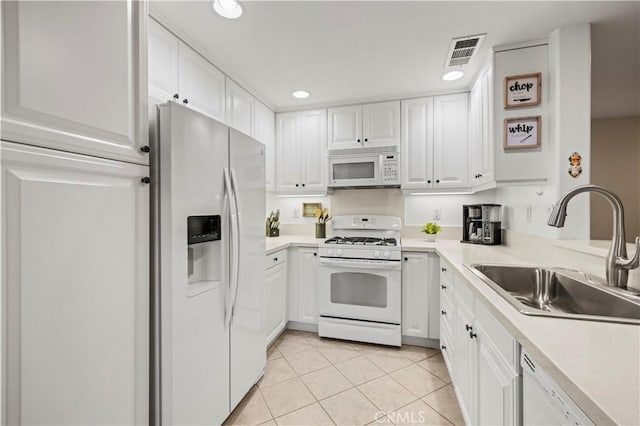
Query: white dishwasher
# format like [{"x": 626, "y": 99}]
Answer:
[{"x": 543, "y": 402}]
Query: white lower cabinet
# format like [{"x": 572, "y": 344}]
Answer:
[
  {"x": 303, "y": 291},
  {"x": 420, "y": 295},
  {"x": 75, "y": 262},
  {"x": 275, "y": 300},
  {"x": 481, "y": 355}
]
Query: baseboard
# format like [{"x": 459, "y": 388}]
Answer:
[
  {"x": 302, "y": 326},
  {"x": 421, "y": 341}
]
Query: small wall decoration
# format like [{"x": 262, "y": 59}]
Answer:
[
  {"x": 576, "y": 168},
  {"x": 522, "y": 90},
  {"x": 522, "y": 132},
  {"x": 309, "y": 209}
]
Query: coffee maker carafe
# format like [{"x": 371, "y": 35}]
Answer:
[{"x": 481, "y": 224}]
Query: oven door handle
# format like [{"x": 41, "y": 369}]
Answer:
[{"x": 342, "y": 263}]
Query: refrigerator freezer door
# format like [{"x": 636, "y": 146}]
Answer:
[
  {"x": 194, "y": 353},
  {"x": 248, "y": 354}
]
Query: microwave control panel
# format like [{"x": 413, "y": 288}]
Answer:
[{"x": 390, "y": 168}]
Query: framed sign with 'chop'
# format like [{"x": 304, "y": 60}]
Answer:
[{"x": 522, "y": 90}]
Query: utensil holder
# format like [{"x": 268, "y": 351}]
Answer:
[{"x": 321, "y": 230}]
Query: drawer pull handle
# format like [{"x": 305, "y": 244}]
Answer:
[
  {"x": 443, "y": 347},
  {"x": 468, "y": 327},
  {"x": 472, "y": 335},
  {"x": 443, "y": 287},
  {"x": 443, "y": 269},
  {"x": 443, "y": 312}
]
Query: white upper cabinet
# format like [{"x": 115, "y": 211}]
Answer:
[
  {"x": 264, "y": 131},
  {"x": 301, "y": 159},
  {"x": 481, "y": 155},
  {"x": 74, "y": 77},
  {"x": 417, "y": 143},
  {"x": 200, "y": 84},
  {"x": 345, "y": 127},
  {"x": 364, "y": 126},
  {"x": 381, "y": 124},
  {"x": 239, "y": 108},
  {"x": 450, "y": 141},
  {"x": 177, "y": 72}
]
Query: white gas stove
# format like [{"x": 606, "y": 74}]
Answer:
[{"x": 359, "y": 290}]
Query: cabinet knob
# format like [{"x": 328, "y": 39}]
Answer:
[
  {"x": 145, "y": 179},
  {"x": 443, "y": 312},
  {"x": 468, "y": 327},
  {"x": 437, "y": 180},
  {"x": 366, "y": 140},
  {"x": 406, "y": 258},
  {"x": 472, "y": 335},
  {"x": 443, "y": 269},
  {"x": 145, "y": 148},
  {"x": 429, "y": 181},
  {"x": 443, "y": 347},
  {"x": 479, "y": 175},
  {"x": 303, "y": 185},
  {"x": 185, "y": 101},
  {"x": 443, "y": 287},
  {"x": 315, "y": 254},
  {"x": 275, "y": 259},
  {"x": 176, "y": 96},
  {"x": 358, "y": 141},
  {"x": 297, "y": 185}
]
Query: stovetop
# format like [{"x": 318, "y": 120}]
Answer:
[{"x": 363, "y": 241}]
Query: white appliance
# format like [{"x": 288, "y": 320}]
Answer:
[
  {"x": 360, "y": 275},
  {"x": 543, "y": 402},
  {"x": 371, "y": 168},
  {"x": 209, "y": 235}
]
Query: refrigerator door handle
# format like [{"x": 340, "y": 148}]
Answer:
[
  {"x": 233, "y": 279},
  {"x": 236, "y": 239}
]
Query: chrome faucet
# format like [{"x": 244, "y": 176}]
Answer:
[{"x": 618, "y": 265}]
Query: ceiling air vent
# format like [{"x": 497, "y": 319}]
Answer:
[{"x": 462, "y": 50}]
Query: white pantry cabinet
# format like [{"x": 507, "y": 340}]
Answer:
[
  {"x": 264, "y": 131},
  {"x": 301, "y": 159},
  {"x": 75, "y": 282},
  {"x": 178, "y": 72},
  {"x": 420, "y": 295},
  {"x": 239, "y": 108},
  {"x": 481, "y": 355},
  {"x": 434, "y": 143},
  {"x": 54, "y": 96},
  {"x": 364, "y": 126},
  {"x": 275, "y": 300},
  {"x": 303, "y": 288},
  {"x": 481, "y": 154}
]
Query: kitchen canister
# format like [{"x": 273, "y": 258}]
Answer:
[{"x": 321, "y": 230}]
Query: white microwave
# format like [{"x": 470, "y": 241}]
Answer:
[{"x": 364, "y": 170}]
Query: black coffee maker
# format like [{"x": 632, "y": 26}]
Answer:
[{"x": 481, "y": 224}]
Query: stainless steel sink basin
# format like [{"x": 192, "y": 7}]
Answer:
[{"x": 558, "y": 292}]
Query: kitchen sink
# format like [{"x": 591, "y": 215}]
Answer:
[{"x": 559, "y": 292}]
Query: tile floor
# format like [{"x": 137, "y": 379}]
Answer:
[{"x": 316, "y": 381}]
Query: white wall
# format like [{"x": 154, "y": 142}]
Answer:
[
  {"x": 419, "y": 209},
  {"x": 291, "y": 208}
]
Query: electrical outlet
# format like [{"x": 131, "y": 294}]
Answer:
[
  {"x": 436, "y": 214},
  {"x": 295, "y": 214},
  {"x": 528, "y": 213}
]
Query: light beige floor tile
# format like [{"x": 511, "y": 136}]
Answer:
[
  {"x": 444, "y": 402},
  {"x": 379, "y": 349},
  {"x": 293, "y": 345},
  {"x": 252, "y": 410},
  {"x": 312, "y": 415},
  {"x": 326, "y": 382},
  {"x": 388, "y": 361},
  {"x": 359, "y": 370},
  {"x": 386, "y": 393},
  {"x": 418, "y": 413},
  {"x": 418, "y": 380},
  {"x": 337, "y": 354},
  {"x": 350, "y": 408},
  {"x": 417, "y": 353},
  {"x": 286, "y": 397},
  {"x": 325, "y": 342},
  {"x": 307, "y": 361},
  {"x": 436, "y": 365},
  {"x": 269, "y": 423},
  {"x": 273, "y": 353},
  {"x": 276, "y": 371}
]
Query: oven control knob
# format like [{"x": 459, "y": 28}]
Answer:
[
  {"x": 339, "y": 252},
  {"x": 331, "y": 252},
  {"x": 376, "y": 253},
  {"x": 386, "y": 253}
]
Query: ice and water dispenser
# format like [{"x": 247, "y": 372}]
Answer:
[
  {"x": 203, "y": 255},
  {"x": 481, "y": 224}
]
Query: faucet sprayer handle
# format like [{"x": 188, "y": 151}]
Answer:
[{"x": 633, "y": 262}]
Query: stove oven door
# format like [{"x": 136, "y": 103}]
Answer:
[{"x": 367, "y": 290}]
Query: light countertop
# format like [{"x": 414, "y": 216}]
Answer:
[{"x": 596, "y": 363}]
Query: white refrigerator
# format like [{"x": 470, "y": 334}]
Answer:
[{"x": 208, "y": 241}]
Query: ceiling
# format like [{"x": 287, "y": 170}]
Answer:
[{"x": 349, "y": 52}]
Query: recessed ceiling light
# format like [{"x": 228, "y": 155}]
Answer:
[
  {"x": 452, "y": 75},
  {"x": 300, "y": 94},
  {"x": 230, "y": 9}
]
